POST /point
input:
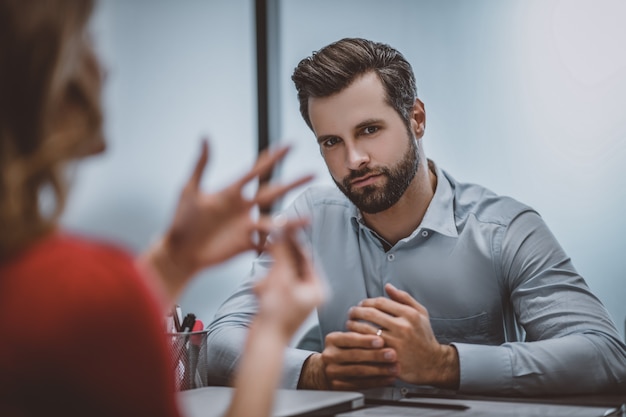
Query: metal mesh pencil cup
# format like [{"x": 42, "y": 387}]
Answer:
[{"x": 187, "y": 358}]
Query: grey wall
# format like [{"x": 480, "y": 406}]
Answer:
[
  {"x": 177, "y": 71},
  {"x": 526, "y": 97}
]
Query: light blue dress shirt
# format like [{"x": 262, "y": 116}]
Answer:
[{"x": 495, "y": 281}]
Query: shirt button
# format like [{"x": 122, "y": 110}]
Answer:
[
  {"x": 424, "y": 233},
  {"x": 391, "y": 257}
]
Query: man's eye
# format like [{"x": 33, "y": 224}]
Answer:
[
  {"x": 330, "y": 142},
  {"x": 369, "y": 130}
]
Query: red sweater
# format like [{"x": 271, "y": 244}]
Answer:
[{"x": 81, "y": 334}]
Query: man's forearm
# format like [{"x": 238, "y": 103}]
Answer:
[
  {"x": 313, "y": 375},
  {"x": 450, "y": 375}
]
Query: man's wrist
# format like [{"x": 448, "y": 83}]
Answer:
[
  {"x": 450, "y": 375},
  {"x": 313, "y": 375}
]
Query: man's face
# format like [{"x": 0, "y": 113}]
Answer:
[{"x": 370, "y": 153}]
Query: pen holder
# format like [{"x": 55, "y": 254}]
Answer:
[{"x": 186, "y": 353}]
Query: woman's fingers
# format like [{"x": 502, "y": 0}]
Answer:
[
  {"x": 196, "y": 176},
  {"x": 268, "y": 193},
  {"x": 264, "y": 164}
]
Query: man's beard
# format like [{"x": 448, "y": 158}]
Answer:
[{"x": 373, "y": 199}]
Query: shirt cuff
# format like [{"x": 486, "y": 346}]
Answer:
[
  {"x": 484, "y": 368},
  {"x": 294, "y": 359}
]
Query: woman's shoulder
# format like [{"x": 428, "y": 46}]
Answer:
[
  {"x": 73, "y": 268},
  {"x": 64, "y": 252},
  {"x": 65, "y": 282}
]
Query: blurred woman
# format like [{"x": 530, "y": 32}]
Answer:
[{"x": 80, "y": 320}]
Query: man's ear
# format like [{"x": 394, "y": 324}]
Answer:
[{"x": 418, "y": 119}]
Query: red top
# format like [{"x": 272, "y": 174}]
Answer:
[{"x": 81, "y": 334}]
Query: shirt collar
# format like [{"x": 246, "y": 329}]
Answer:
[{"x": 439, "y": 216}]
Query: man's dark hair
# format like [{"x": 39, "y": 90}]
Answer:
[{"x": 336, "y": 66}]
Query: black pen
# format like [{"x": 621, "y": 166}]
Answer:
[
  {"x": 188, "y": 323},
  {"x": 186, "y": 327}
]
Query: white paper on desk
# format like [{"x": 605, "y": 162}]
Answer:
[{"x": 481, "y": 409}]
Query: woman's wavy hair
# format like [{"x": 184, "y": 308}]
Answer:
[{"x": 50, "y": 111}]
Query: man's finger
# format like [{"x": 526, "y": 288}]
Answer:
[
  {"x": 353, "y": 340},
  {"x": 380, "y": 311},
  {"x": 361, "y": 383},
  {"x": 364, "y": 327},
  {"x": 361, "y": 370},
  {"x": 404, "y": 298},
  {"x": 356, "y": 356},
  {"x": 399, "y": 303}
]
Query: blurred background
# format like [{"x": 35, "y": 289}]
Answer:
[{"x": 526, "y": 97}]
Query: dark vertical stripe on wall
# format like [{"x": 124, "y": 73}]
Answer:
[
  {"x": 267, "y": 58},
  {"x": 262, "y": 74}
]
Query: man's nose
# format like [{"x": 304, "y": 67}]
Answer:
[{"x": 357, "y": 157}]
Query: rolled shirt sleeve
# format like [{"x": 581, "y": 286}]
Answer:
[{"x": 570, "y": 343}]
